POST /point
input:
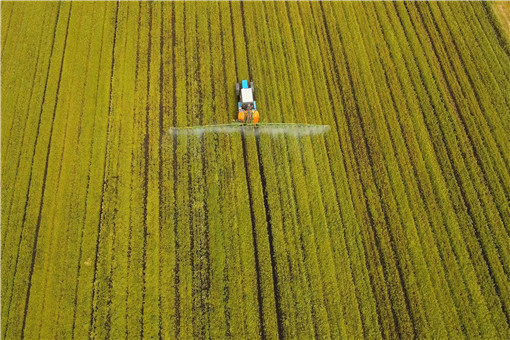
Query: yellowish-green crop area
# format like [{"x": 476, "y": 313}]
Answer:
[{"x": 395, "y": 224}]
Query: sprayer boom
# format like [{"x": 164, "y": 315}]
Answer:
[
  {"x": 290, "y": 129},
  {"x": 248, "y": 120}
]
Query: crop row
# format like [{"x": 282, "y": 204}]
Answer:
[{"x": 394, "y": 224}]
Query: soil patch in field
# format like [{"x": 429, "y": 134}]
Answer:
[{"x": 502, "y": 10}]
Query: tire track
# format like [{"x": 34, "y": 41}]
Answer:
[
  {"x": 174, "y": 150},
  {"x": 399, "y": 160},
  {"x": 471, "y": 213},
  {"x": 202, "y": 236},
  {"x": 38, "y": 225},
  {"x": 357, "y": 166},
  {"x": 327, "y": 148},
  {"x": 369, "y": 151},
  {"x": 307, "y": 193},
  {"x": 446, "y": 164},
  {"x": 130, "y": 247},
  {"x": 345, "y": 319},
  {"x": 27, "y": 195},
  {"x": 6, "y": 36},
  {"x": 20, "y": 43},
  {"x": 160, "y": 164},
  {"x": 188, "y": 322},
  {"x": 500, "y": 34},
  {"x": 227, "y": 101},
  {"x": 267, "y": 214},
  {"x": 61, "y": 320},
  {"x": 9, "y": 120},
  {"x": 116, "y": 178},
  {"x": 345, "y": 165},
  {"x": 206, "y": 282},
  {"x": 245, "y": 155},
  {"x": 23, "y": 131},
  {"x": 288, "y": 198},
  {"x": 105, "y": 183},
  {"x": 496, "y": 40},
  {"x": 417, "y": 183},
  {"x": 430, "y": 134},
  {"x": 464, "y": 126},
  {"x": 146, "y": 171},
  {"x": 476, "y": 135},
  {"x": 423, "y": 184},
  {"x": 87, "y": 200}
]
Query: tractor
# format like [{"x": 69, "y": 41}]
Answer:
[{"x": 247, "y": 106}]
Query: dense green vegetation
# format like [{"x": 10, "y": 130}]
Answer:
[{"x": 395, "y": 224}]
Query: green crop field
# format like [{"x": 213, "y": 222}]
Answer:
[{"x": 394, "y": 224}]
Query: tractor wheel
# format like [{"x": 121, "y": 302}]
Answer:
[
  {"x": 238, "y": 89},
  {"x": 240, "y": 116},
  {"x": 252, "y": 87}
]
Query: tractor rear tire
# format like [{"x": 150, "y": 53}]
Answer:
[{"x": 238, "y": 89}]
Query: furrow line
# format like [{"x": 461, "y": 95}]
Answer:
[
  {"x": 267, "y": 213},
  {"x": 146, "y": 168},
  {"x": 38, "y": 225},
  {"x": 109, "y": 128},
  {"x": 29, "y": 185}
]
